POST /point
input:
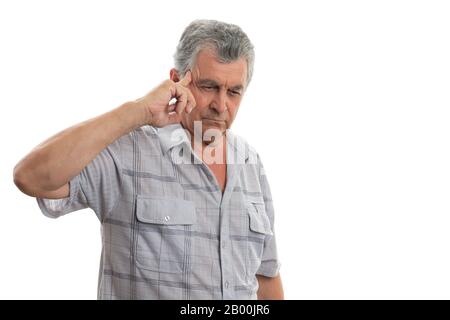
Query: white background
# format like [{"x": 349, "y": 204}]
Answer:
[{"x": 348, "y": 108}]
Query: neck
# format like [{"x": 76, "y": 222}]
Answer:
[{"x": 210, "y": 152}]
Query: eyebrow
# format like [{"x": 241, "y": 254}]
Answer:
[{"x": 212, "y": 83}]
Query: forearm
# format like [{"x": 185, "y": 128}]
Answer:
[
  {"x": 55, "y": 161},
  {"x": 270, "y": 288}
]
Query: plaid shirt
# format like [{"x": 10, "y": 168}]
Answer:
[{"x": 168, "y": 232}]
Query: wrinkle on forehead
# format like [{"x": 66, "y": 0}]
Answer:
[{"x": 229, "y": 74}]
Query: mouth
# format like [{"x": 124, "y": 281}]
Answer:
[{"x": 213, "y": 120}]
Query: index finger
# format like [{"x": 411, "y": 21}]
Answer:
[{"x": 186, "y": 79}]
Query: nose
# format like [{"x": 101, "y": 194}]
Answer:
[{"x": 220, "y": 102}]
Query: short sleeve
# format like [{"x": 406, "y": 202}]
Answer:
[
  {"x": 270, "y": 264},
  {"x": 97, "y": 187}
]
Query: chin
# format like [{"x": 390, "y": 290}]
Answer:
[
  {"x": 207, "y": 123},
  {"x": 216, "y": 129}
]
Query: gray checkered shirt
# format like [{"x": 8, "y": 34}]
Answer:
[{"x": 168, "y": 232}]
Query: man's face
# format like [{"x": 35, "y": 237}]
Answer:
[{"x": 217, "y": 88}]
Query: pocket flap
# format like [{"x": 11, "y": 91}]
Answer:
[
  {"x": 165, "y": 211},
  {"x": 259, "y": 221}
]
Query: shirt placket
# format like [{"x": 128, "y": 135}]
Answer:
[
  {"x": 226, "y": 257},
  {"x": 224, "y": 236},
  {"x": 222, "y": 200}
]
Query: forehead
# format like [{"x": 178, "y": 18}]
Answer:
[{"x": 208, "y": 67}]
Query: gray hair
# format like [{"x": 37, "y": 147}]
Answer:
[{"x": 228, "y": 40}]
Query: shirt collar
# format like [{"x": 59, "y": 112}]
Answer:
[{"x": 173, "y": 135}]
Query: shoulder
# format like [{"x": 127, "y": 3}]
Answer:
[
  {"x": 142, "y": 138},
  {"x": 142, "y": 133}
]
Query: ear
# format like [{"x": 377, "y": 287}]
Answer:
[{"x": 174, "y": 76}]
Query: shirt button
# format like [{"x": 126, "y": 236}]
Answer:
[
  {"x": 223, "y": 245},
  {"x": 167, "y": 218},
  {"x": 226, "y": 284}
]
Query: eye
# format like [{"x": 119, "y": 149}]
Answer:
[
  {"x": 234, "y": 93},
  {"x": 209, "y": 88}
]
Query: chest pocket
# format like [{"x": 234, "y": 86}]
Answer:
[
  {"x": 259, "y": 229},
  {"x": 164, "y": 233},
  {"x": 259, "y": 221}
]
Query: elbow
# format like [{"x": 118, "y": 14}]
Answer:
[
  {"x": 22, "y": 180},
  {"x": 31, "y": 182},
  {"x": 31, "y": 174}
]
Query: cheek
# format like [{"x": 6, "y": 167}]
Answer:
[
  {"x": 202, "y": 103},
  {"x": 200, "y": 99},
  {"x": 233, "y": 108},
  {"x": 197, "y": 112}
]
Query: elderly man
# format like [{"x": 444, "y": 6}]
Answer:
[{"x": 184, "y": 204}]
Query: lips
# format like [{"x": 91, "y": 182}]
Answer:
[{"x": 213, "y": 120}]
